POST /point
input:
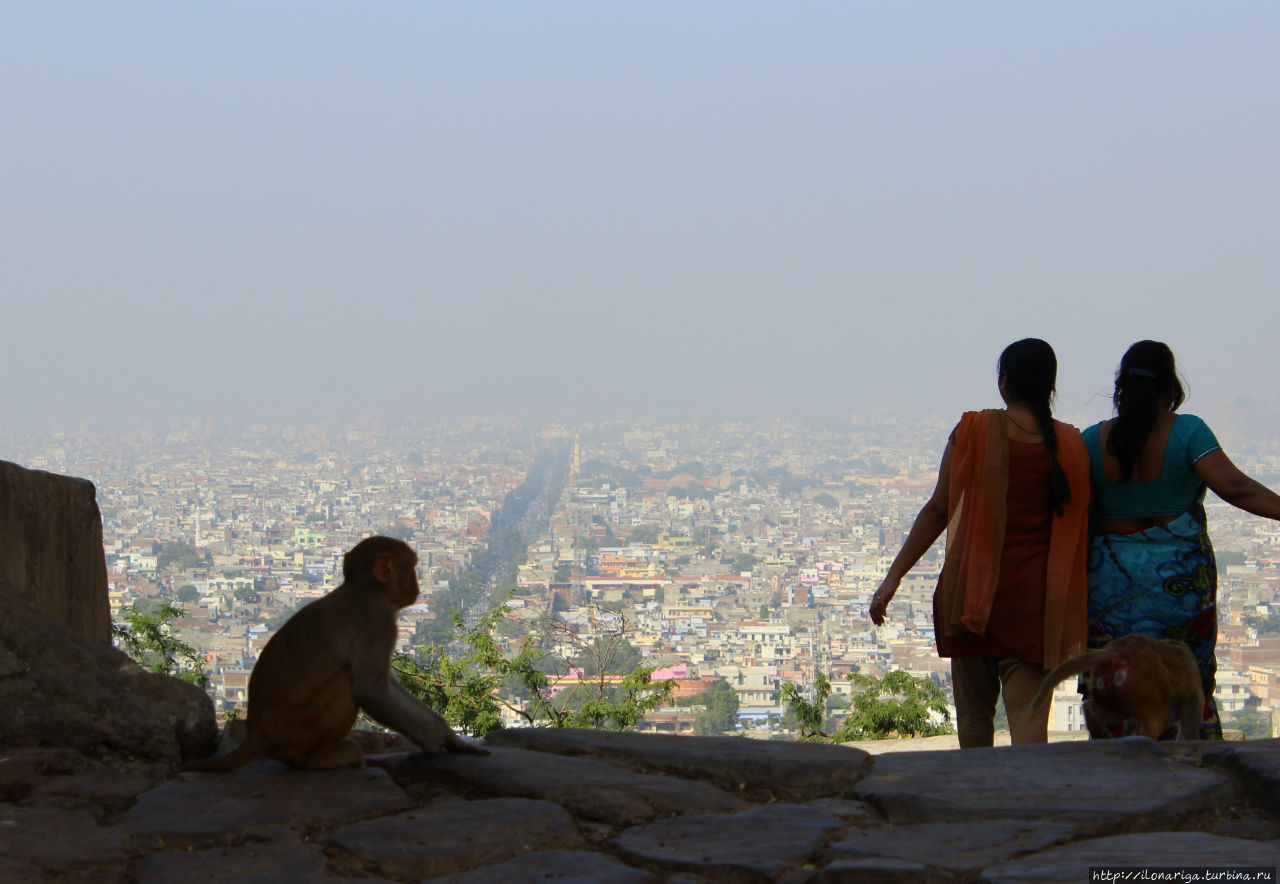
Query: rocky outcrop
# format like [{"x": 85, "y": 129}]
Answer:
[
  {"x": 51, "y": 548},
  {"x": 61, "y": 690},
  {"x": 600, "y": 807}
]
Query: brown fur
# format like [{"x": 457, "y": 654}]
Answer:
[
  {"x": 330, "y": 660},
  {"x": 1145, "y": 683}
]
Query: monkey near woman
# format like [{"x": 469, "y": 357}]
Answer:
[
  {"x": 330, "y": 660},
  {"x": 1144, "y": 685}
]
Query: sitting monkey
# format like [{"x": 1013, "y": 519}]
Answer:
[
  {"x": 333, "y": 658},
  {"x": 1144, "y": 683}
]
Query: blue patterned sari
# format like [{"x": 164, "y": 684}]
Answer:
[{"x": 1161, "y": 582}]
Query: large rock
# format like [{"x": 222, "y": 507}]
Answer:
[
  {"x": 58, "y": 688},
  {"x": 456, "y": 836},
  {"x": 588, "y": 788},
  {"x": 51, "y": 547},
  {"x": 197, "y": 806},
  {"x": 756, "y": 844},
  {"x": 778, "y": 771},
  {"x": 1147, "y": 788}
]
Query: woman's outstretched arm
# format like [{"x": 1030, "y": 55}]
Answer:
[
  {"x": 1227, "y": 481},
  {"x": 927, "y": 528}
]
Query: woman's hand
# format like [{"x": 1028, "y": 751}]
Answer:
[{"x": 880, "y": 600}]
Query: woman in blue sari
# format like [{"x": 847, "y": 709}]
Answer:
[{"x": 1151, "y": 565}]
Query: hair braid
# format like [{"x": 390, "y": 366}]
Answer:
[{"x": 1059, "y": 486}]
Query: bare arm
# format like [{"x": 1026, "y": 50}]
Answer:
[
  {"x": 1227, "y": 481},
  {"x": 927, "y": 528}
]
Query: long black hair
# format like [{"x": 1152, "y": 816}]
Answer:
[
  {"x": 1030, "y": 371},
  {"x": 1146, "y": 374}
]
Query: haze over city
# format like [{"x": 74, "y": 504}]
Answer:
[{"x": 579, "y": 211}]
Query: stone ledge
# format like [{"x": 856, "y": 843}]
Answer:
[{"x": 592, "y": 806}]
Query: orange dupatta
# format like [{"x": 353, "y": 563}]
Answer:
[{"x": 977, "y": 491}]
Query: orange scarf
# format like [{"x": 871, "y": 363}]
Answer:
[{"x": 976, "y": 511}]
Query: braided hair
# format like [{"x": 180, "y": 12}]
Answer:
[
  {"x": 1146, "y": 374},
  {"x": 1030, "y": 371}
]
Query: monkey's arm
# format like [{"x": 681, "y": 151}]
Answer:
[{"x": 389, "y": 704}]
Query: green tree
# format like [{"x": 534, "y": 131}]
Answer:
[
  {"x": 608, "y": 655},
  {"x": 180, "y": 554},
  {"x": 187, "y": 593},
  {"x": 1227, "y": 557},
  {"x": 745, "y": 562},
  {"x": 1268, "y": 624},
  {"x": 898, "y": 703},
  {"x": 824, "y": 499},
  {"x": 809, "y": 714},
  {"x": 1255, "y": 723},
  {"x": 721, "y": 714},
  {"x": 398, "y": 531},
  {"x": 151, "y": 641},
  {"x": 469, "y": 688},
  {"x": 643, "y": 534},
  {"x": 275, "y": 621}
]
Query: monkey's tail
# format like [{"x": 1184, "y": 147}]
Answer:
[
  {"x": 1064, "y": 670},
  {"x": 250, "y": 748}
]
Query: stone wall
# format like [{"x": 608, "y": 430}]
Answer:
[{"x": 51, "y": 547}]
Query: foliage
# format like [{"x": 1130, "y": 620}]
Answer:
[
  {"x": 744, "y": 562},
  {"x": 1254, "y": 722},
  {"x": 464, "y": 688},
  {"x": 609, "y": 655},
  {"x": 275, "y": 621},
  {"x": 824, "y": 499},
  {"x": 187, "y": 593},
  {"x": 247, "y": 595},
  {"x": 1227, "y": 557},
  {"x": 1001, "y": 721},
  {"x": 471, "y": 688},
  {"x": 809, "y": 714},
  {"x": 643, "y": 534},
  {"x": 720, "y": 714},
  {"x": 151, "y": 641},
  {"x": 898, "y": 704},
  {"x": 180, "y": 554},
  {"x": 1268, "y": 624},
  {"x": 398, "y": 531}
]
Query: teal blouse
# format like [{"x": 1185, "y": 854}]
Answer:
[{"x": 1177, "y": 489}]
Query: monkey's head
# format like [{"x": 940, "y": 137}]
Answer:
[
  {"x": 1110, "y": 681},
  {"x": 386, "y": 562}
]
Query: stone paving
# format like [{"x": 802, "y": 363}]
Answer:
[{"x": 586, "y": 806}]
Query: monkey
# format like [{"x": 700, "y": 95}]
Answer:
[
  {"x": 331, "y": 659},
  {"x": 1144, "y": 683}
]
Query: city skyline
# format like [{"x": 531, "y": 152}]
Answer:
[{"x": 578, "y": 212}]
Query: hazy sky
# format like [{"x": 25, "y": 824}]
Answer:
[{"x": 300, "y": 209}]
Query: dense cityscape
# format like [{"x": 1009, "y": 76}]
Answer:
[{"x": 738, "y": 554}]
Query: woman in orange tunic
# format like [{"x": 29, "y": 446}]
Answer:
[{"x": 1012, "y": 493}]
